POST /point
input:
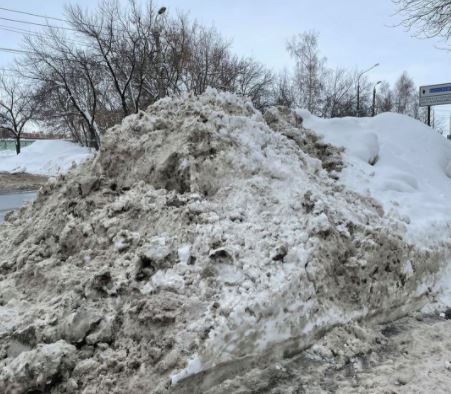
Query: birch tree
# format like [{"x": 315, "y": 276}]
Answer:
[{"x": 310, "y": 71}]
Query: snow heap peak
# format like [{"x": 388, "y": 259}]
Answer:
[{"x": 204, "y": 236}]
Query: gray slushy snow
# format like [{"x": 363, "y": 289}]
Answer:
[{"x": 205, "y": 237}]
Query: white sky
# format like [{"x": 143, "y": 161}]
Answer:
[{"x": 353, "y": 33}]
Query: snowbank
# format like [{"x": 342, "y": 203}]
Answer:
[
  {"x": 204, "y": 240},
  {"x": 400, "y": 162},
  {"x": 47, "y": 158}
]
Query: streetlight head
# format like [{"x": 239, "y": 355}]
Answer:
[
  {"x": 378, "y": 82},
  {"x": 162, "y": 10},
  {"x": 377, "y": 64}
]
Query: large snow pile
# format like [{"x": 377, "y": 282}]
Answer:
[
  {"x": 402, "y": 163},
  {"x": 47, "y": 158},
  {"x": 204, "y": 240}
]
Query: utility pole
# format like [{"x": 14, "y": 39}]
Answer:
[
  {"x": 373, "y": 111},
  {"x": 157, "y": 35},
  {"x": 358, "y": 87}
]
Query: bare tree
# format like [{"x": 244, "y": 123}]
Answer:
[
  {"x": 309, "y": 73},
  {"x": 16, "y": 106},
  {"x": 283, "y": 90},
  {"x": 122, "y": 58},
  {"x": 428, "y": 18},
  {"x": 384, "y": 98},
  {"x": 72, "y": 72},
  {"x": 252, "y": 80},
  {"x": 404, "y": 94},
  {"x": 127, "y": 42},
  {"x": 338, "y": 94}
]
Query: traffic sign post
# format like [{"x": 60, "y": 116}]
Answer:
[{"x": 434, "y": 95}]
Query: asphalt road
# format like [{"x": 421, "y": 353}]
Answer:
[{"x": 11, "y": 201}]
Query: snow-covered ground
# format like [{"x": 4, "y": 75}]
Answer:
[
  {"x": 402, "y": 163},
  {"x": 47, "y": 157}
]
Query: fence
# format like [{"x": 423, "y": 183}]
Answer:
[{"x": 8, "y": 144}]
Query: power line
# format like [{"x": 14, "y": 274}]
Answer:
[
  {"x": 52, "y": 18},
  {"x": 37, "y": 24},
  {"x": 31, "y": 14},
  {"x": 34, "y": 33},
  {"x": 21, "y": 31}
]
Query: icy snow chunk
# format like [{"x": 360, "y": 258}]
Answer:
[
  {"x": 229, "y": 274},
  {"x": 157, "y": 248},
  {"x": 194, "y": 366},
  {"x": 320, "y": 223},
  {"x": 165, "y": 280},
  {"x": 407, "y": 269},
  {"x": 77, "y": 325},
  {"x": 124, "y": 239},
  {"x": 35, "y": 369},
  {"x": 184, "y": 253}
]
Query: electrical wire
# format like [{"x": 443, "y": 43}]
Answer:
[
  {"x": 51, "y": 18},
  {"x": 35, "y": 15},
  {"x": 37, "y": 24},
  {"x": 34, "y": 33}
]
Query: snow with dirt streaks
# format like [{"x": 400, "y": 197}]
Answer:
[
  {"x": 206, "y": 239},
  {"x": 49, "y": 158}
]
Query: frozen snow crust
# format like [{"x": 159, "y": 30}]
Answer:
[{"x": 203, "y": 239}]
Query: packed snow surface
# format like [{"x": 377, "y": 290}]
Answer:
[
  {"x": 402, "y": 163},
  {"x": 206, "y": 240},
  {"x": 44, "y": 157}
]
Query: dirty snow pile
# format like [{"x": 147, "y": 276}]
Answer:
[
  {"x": 204, "y": 241},
  {"x": 46, "y": 157}
]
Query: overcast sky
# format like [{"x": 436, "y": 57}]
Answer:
[{"x": 353, "y": 33}]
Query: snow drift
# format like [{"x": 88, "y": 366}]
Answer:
[
  {"x": 205, "y": 239},
  {"x": 399, "y": 161},
  {"x": 49, "y": 158}
]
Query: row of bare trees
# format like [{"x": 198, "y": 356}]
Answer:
[
  {"x": 118, "y": 59},
  {"x": 329, "y": 92}
]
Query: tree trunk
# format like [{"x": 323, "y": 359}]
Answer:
[
  {"x": 94, "y": 139},
  {"x": 18, "y": 145}
]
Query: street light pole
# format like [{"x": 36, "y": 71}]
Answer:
[
  {"x": 373, "y": 111},
  {"x": 358, "y": 87},
  {"x": 157, "y": 34}
]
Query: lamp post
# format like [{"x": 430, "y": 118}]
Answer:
[
  {"x": 373, "y": 110},
  {"x": 358, "y": 86},
  {"x": 157, "y": 33}
]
